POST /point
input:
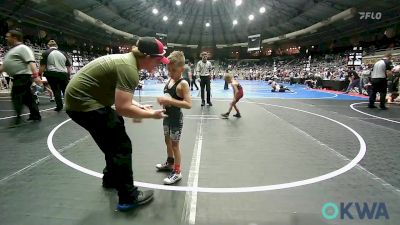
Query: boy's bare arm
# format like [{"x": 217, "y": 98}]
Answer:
[{"x": 186, "y": 103}]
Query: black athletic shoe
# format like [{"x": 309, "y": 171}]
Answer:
[
  {"x": 58, "y": 109},
  {"x": 165, "y": 167},
  {"x": 383, "y": 107},
  {"x": 34, "y": 118},
  {"x": 372, "y": 107},
  {"x": 209, "y": 104},
  {"x": 237, "y": 115},
  {"x": 203, "y": 103},
  {"x": 16, "y": 123},
  {"x": 142, "y": 198},
  {"x": 225, "y": 115}
]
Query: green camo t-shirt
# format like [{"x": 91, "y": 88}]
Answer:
[{"x": 93, "y": 87}]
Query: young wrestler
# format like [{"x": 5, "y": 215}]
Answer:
[
  {"x": 177, "y": 96},
  {"x": 237, "y": 95}
]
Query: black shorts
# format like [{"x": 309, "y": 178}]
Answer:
[{"x": 173, "y": 127}]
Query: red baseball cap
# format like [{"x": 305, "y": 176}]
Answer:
[{"x": 152, "y": 47}]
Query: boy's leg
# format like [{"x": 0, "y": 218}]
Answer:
[
  {"x": 168, "y": 164},
  {"x": 168, "y": 143},
  {"x": 175, "y": 136},
  {"x": 177, "y": 155},
  {"x": 236, "y": 108},
  {"x": 226, "y": 115},
  {"x": 237, "y": 111},
  {"x": 51, "y": 95},
  {"x": 231, "y": 105}
]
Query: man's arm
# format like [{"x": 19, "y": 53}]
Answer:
[
  {"x": 186, "y": 103},
  {"x": 124, "y": 107},
  {"x": 198, "y": 67},
  {"x": 42, "y": 69},
  {"x": 35, "y": 74}
]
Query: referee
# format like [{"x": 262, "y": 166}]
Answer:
[
  {"x": 203, "y": 68},
  {"x": 19, "y": 63},
  {"x": 379, "y": 75},
  {"x": 56, "y": 67}
]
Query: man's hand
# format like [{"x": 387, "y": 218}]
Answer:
[
  {"x": 159, "y": 114},
  {"x": 164, "y": 101}
]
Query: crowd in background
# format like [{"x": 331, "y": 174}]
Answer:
[{"x": 291, "y": 69}]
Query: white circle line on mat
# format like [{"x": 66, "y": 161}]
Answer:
[
  {"x": 378, "y": 117},
  {"x": 25, "y": 114},
  {"x": 342, "y": 170}
]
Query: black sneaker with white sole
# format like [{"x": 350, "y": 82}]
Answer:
[{"x": 143, "y": 197}]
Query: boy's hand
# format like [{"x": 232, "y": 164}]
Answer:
[
  {"x": 38, "y": 81},
  {"x": 159, "y": 114},
  {"x": 164, "y": 101},
  {"x": 146, "y": 107}
]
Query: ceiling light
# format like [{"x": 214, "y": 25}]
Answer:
[
  {"x": 235, "y": 22},
  {"x": 207, "y": 24},
  {"x": 238, "y": 2},
  {"x": 178, "y": 3},
  {"x": 251, "y": 17},
  {"x": 262, "y": 10},
  {"x": 155, "y": 11},
  {"x": 180, "y": 22},
  {"x": 165, "y": 18}
]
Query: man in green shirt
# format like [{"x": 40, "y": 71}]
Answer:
[{"x": 89, "y": 96}]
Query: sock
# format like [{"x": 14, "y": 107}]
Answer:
[
  {"x": 177, "y": 168},
  {"x": 170, "y": 160}
]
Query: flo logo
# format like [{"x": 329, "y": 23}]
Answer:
[
  {"x": 355, "y": 210},
  {"x": 370, "y": 15}
]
